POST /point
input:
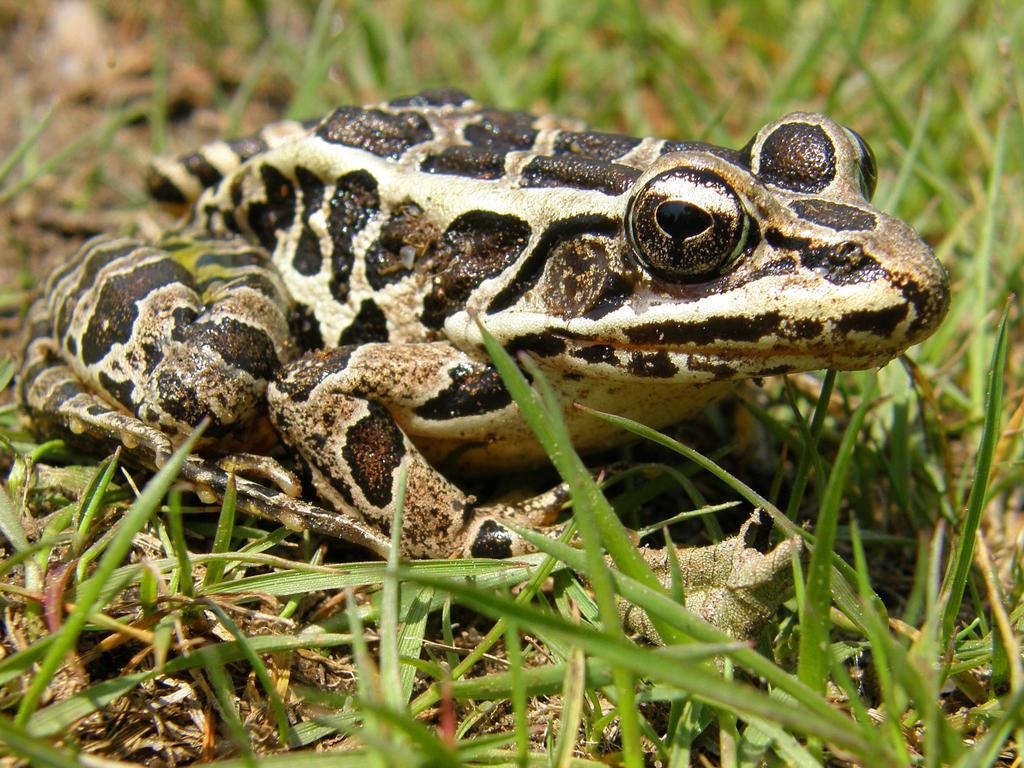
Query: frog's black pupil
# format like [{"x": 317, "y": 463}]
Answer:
[{"x": 681, "y": 221}]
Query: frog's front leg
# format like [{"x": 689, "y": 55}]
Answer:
[{"x": 349, "y": 413}]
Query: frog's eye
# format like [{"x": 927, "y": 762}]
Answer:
[
  {"x": 797, "y": 156},
  {"x": 868, "y": 166},
  {"x": 686, "y": 224}
]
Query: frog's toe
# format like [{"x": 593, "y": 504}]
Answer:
[{"x": 264, "y": 468}]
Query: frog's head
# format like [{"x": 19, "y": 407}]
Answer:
[{"x": 719, "y": 264}]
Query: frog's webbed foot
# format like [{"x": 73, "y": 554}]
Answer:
[{"x": 731, "y": 585}]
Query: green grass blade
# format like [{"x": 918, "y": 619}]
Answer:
[
  {"x": 814, "y": 619},
  {"x": 391, "y": 595},
  {"x": 983, "y": 262},
  {"x": 88, "y": 593},
  {"x": 666, "y": 667},
  {"x": 10, "y": 524},
  {"x": 260, "y": 670},
  {"x": 15, "y": 743},
  {"x": 222, "y": 537},
  {"x": 961, "y": 565},
  {"x": 809, "y": 444},
  {"x": 92, "y": 500},
  {"x": 26, "y": 143}
]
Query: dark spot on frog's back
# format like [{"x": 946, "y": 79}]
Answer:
[
  {"x": 739, "y": 328},
  {"x": 162, "y": 189},
  {"x": 834, "y": 215},
  {"x": 354, "y": 203},
  {"x": 305, "y": 328},
  {"x": 470, "y": 162},
  {"x": 308, "y": 258},
  {"x": 96, "y": 256},
  {"x": 476, "y": 246},
  {"x": 502, "y": 131},
  {"x": 121, "y": 390},
  {"x": 594, "y": 146},
  {"x": 370, "y": 325},
  {"x": 540, "y": 344},
  {"x": 407, "y": 237},
  {"x": 597, "y": 353},
  {"x": 115, "y": 313},
  {"x": 277, "y": 209},
  {"x": 492, "y": 540},
  {"x": 374, "y": 449},
  {"x": 806, "y": 329},
  {"x": 380, "y": 133},
  {"x": 202, "y": 169},
  {"x": 579, "y": 173},
  {"x": 471, "y": 393},
  {"x": 652, "y": 365}
]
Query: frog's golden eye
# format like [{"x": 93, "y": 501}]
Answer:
[{"x": 686, "y": 224}]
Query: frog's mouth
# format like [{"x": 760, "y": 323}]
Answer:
[
  {"x": 576, "y": 357},
  {"x": 859, "y": 326}
]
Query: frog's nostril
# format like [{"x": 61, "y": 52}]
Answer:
[{"x": 848, "y": 251}]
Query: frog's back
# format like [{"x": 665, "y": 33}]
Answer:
[
  {"x": 399, "y": 222},
  {"x": 386, "y": 220}
]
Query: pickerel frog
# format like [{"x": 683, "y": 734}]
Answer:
[{"x": 324, "y": 292}]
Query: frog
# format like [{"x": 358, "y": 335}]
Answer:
[{"x": 325, "y": 297}]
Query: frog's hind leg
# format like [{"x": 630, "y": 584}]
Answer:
[
  {"x": 177, "y": 332},
  {"x": 61, "y": 405}
]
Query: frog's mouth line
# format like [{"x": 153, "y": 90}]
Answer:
[{"x": 718, "y": 362}]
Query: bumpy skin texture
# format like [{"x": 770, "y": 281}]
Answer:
[{"x": 325, "y": 288}]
